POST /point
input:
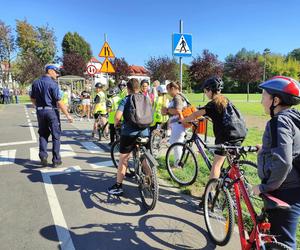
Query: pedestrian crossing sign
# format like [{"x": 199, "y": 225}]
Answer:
[{"x": 182, "y": 45}]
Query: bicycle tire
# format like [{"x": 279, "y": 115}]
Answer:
[
  {"x": 186, "y": 170},
  {"x": 217, "y": 199},
  {"x": 78, "y": 109},
  {"x": 114, "y": 153},
  {"x": 275, "y": 245},
  {"x": 155, "y": 143},
  {"x": 105, "y": 134},
  {"x": 148, "y": 185}
]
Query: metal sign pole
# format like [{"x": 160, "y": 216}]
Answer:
[
  {"x": 107, "y": 82},
  {"x": 180, "y": 58}
]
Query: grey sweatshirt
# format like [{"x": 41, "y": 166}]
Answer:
[{"x": 281, "y": 144}]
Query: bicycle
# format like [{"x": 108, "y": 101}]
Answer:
[
  {"x": 158, "y": 139},
  {"x": 103, "y": 129},
  {"x": 219, "y": 209},
  {"x": 143, "y": 166},
  {"x": 182, "y": 163}
]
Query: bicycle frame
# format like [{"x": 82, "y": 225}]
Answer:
[
  {"x": 200, "y": 145},
  {"x": 241, "y": 191}
]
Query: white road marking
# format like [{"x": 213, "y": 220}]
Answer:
[
  {"x": 7, "y": 157},
  {"x": 102, "y": 164},
  {"x": 65, "y": 151},
  {"x": 33, "y": 136},
  {"x": 92, "y": 147},
  {"x": 62, "y": 231}
]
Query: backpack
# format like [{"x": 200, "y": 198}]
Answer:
[
  {"x": 138, "y": 111},
  {"x": 234, "y": 126}
]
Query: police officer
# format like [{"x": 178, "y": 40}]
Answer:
[{"x": 45, "y": 95}]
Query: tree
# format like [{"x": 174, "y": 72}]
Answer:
[
  {"x": 122, "y": 69},
  {"x": 73, "y": 64},
  {"x": 204, "y": 66},
  {"x": 295, "y": 54},
  {"x": 7, "y": 47},
  {"x": 244, "y": 71},
  {"x": 74, "y": 43},
  {"x": 37, "y": 48},
  {"x": 162, "y": 68}
]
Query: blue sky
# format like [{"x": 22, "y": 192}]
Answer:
[{"x": 137, "y": 30}]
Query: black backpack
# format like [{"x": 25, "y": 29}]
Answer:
[
  {"x": 234, "y": 125},
  {"x": 138, "y": 111}
]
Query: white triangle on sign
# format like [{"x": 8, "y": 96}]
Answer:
[{"x": 182, "y": 46}]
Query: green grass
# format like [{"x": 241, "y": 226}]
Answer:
[{"x": 24, "y": 99}]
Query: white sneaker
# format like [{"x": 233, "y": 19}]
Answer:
[{"x": 81, "y": 119}]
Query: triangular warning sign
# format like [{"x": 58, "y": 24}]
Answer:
[
  {"x": 182, "y": 46},
  {"x": 107, "y": 67},
  {"x": 106, "y": 51}
]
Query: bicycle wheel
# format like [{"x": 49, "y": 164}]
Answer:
[
  {"x": 106, "y": 133},
  {"x": 78, "y": 110},
  {"x": 115, "y": 153},
  {"x": 218, "y": 212},
  {"x": 182, "y": 164},
  {"x": 115, "y": 156},
  {"x": 275, "y": 246},
  {"x": 155, "y": 142},
  {"x": 148, "y": 185}
]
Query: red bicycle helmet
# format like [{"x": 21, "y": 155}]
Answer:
[{"x": 286, "y": 88}]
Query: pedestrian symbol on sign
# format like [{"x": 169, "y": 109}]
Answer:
[{"x": 182, "y": 46}]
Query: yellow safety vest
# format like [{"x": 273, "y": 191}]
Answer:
[
  {"x": 65, "y": 98},
  {"x": 123, "y": 93},
  {"x": 160, "y": 101},
  {"x": 115, "y": 104},
  {"x": 101, "y": 106}
]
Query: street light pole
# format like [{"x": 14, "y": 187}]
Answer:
[{"x": 265, "y": 53}]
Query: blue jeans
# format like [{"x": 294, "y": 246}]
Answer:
[
  {"x": 49, "y": 123},
  {"x": 284, "y": 222}
]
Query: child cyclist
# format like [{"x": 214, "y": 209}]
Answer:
[
  {"x": 279, "y": 156},
  {"x": 214, "y": 109}
]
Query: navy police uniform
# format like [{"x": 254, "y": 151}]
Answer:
[{"x": 46, "y": 93}]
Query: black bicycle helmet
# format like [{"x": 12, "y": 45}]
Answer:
[
  {"x": 108, "y": 104},
  {"x": 112, "y": 92},
  {"x": 99, "y": 85},
  {"x": 214, "y": 84}
]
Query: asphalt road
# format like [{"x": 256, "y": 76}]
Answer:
[{"x": 68, "y": 207}]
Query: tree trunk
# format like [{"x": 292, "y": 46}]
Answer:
[{"x": 248, "y": 91}]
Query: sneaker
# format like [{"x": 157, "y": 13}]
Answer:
[
  {"x": 56, "y": 164},
  {"x": 44, "y": 162},
  {"x": 81, "y": 119},
  {"x": 115, "y": 190}
]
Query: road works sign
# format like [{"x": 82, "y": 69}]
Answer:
[
  {"x": 182, "y": 44},
  {"x": 106, "y": 51},
  {"x": 107, "y": 67}
]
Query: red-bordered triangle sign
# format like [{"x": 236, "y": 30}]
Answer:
[
  {"x": 106, "y": 51},
  {"x": 107, "y": 67}
]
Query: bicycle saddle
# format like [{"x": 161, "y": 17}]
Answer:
[
  {"x": 271, "y": 202},
  {"x": 142, "y": 140}
]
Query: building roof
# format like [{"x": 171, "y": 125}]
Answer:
[
  {"x": 138, "y": 70},
  {"x": 94, "y": 60}
]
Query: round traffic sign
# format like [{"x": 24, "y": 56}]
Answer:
[{"x": 91, "y": 70}]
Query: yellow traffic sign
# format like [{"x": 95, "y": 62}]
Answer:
[
  {"x": 106, "y": 51},
  {"x": 107, "y": 67}
]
